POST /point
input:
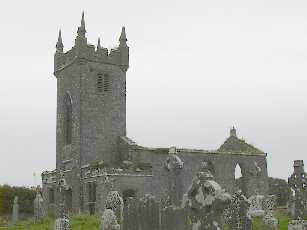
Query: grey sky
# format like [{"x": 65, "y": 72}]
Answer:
[{"x": 196, "y": 69}]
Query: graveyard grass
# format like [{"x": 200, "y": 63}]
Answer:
[{"x": 85, "y": 222}]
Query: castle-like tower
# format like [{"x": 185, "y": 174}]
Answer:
[{"x": 91, "y": 100}]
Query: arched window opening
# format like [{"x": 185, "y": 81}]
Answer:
[
  {"x": 238, "y": 172},
  {"x": 240, "y": 180},
  {"x": 68, "y": 119}
]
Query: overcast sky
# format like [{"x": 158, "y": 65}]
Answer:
[{"x": 196, "y": 69}]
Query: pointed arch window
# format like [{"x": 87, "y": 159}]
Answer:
[{"x": 67, "y": 119}]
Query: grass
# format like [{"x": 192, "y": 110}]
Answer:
[
  {"x": 82, "y": 222},
  {"x": 86, "y": 222}
]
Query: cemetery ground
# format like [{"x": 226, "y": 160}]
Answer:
[{"x": 86, "y": 222}]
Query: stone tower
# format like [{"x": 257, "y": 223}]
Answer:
[{"x": 91, "y": 100}]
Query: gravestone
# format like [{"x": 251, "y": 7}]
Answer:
[
  {"x": 174, "y": 218},
  {"x": 149, "y": 213},
  {"x": 109, "y": 220},
  {"x": 115, "y": 203},
  {"x": 39, "y": 211},
  {"x": 62, "y": 223},
  {"x": 298, "y": 183},
  {"x": 174, "y": 167},
  {"x": 269, "y": 221},
  {"x": 236, "y": 215},
  {"x": 298, "y": 224},
  {"x": 15, "y": 214},
  {"x": 206, "y": 201},
  {"x": 255, "y": 209},
  {"x": 131, "y": 214}
]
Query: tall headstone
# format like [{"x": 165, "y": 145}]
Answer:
[
  {"x": 131, "y": 214},
  {"x": 298, "y": 183},
  {"x": 269, "y": 221},
  {"x": 174, "y": 166},
  {"x": 39, "y": 211},
  {"x": 149, "y": 213},
  {"x": 237, "y": 215},
  {"x": 109, "y": 221},
  {"x": 115, "y": 203},
  {"x": 15, "y": 214},
  {"x": 206, "y": 201},
  {"x": 62, "y": 222},
  {"x": 174, "y": 218}
]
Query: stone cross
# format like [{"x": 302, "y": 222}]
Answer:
[
  {"x": 62, "y": 222},
  {"x": 237, "y": 215},
  {"x": 174, "y": 166},
  {"x": 206, "y": 201},
  {"x": 15, "y": 214},
  {"x": 298, "y": 183},
  {"x": 269, "y": 221}
]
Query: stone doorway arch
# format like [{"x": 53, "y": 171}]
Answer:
[{"x": 240, "y": 178}]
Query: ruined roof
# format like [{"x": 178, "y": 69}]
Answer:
[{"x": 233, "y": 144}]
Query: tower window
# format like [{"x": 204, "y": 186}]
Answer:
[
  {"x": 106, "y": 83},
  {"x": 103, "y": 83},
  {"x": 100, "y": 83},
  {"x": 67, "y": 119}
]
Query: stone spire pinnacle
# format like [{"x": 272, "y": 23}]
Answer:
[
  {"x": 98, "y": 44},
  {"x": 123, "y": 38},
  {"x": 59, "y": 44},
  {"x": 233, "y": 132},
  {"x": 81, "y": 28}
]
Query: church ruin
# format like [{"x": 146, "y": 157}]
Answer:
[{"x": 94, "y": 154}]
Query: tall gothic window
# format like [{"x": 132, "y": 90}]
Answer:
[{"x": 67, "y": 119}]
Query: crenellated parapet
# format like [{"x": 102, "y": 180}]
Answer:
[{"x": 83, "y": 50}]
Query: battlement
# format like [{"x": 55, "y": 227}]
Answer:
[{"x": 83, "y": 51}]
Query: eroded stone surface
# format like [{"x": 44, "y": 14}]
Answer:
[
  {"x": 255, "y": 208},
  {"x": 236, "y": 215},
  {"x": 298, "y": 183},
  {"x": 269, "y": 221},
  {"x": 39, "y": 209},
  {"x": 109, "y": 221},
  {"x": 62, "y": 223},
  {"x": 206, "y": 201},
  {"x": 15, "y": 213}
]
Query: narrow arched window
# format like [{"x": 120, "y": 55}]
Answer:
[{"x": 67, "y": 119}]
